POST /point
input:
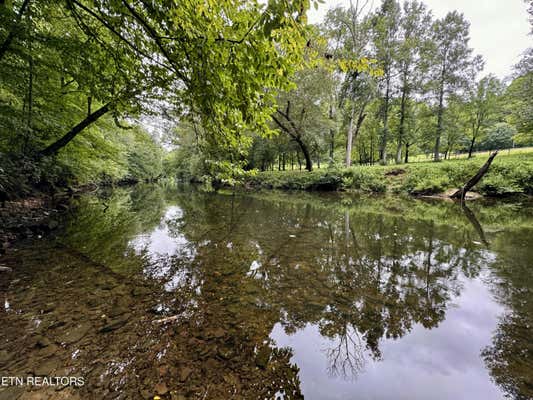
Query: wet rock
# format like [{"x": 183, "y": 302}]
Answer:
[
  {"x": 117, "y": 310},
  {"x": 212, "y": 364},
  {"x": 140, "y": 291},
  {"x": 232, "y": 379},
  {"x": 48, "y": 351},
  {"x": 163, "y": 370},
  {"x": 5, "y": 269},
  {"x": 225, "y": 353},
  {"x": 161, "y": 388},
  {"x": 106, "y": 286},
  {"x": 43, "y": 342},
  {"x": 5, "y": 356},
  {"x": 184, "y": 373},
  {"x": 34, "y": 396},
  {"x": 75, "y": 334},
  {"x": 219, "y": 333},
  {"x": 49, "y": 307},
  {"x": 12, "y": 392},
  {"x": 114, "y": 324},
  {"x": 47, "y": 367}
]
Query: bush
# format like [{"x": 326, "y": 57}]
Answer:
[{"x": 498, "y": 185}]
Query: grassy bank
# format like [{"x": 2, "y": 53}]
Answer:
[{"x": 509, "y": 174}]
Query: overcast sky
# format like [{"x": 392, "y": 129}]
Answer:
[{"x": 499, "y": 28}]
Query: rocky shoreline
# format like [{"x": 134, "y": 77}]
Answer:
[{"x": 29, "y": 217}]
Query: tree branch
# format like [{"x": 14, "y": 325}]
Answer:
[
  {"x": 65, "y": 139},
  {"x": 11, "y": 35}
]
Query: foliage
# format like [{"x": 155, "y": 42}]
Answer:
[
  {"x": 500, "y": 136},
  {"x": 509, "y": 174},
  {"x": 71, "y": 71}
]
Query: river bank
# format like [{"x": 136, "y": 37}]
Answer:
[
  {"x": 508, "y": 175},
  {"x": 29, "y": 217}
]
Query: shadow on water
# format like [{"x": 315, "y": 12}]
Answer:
[{"x": 186, "y": 295}]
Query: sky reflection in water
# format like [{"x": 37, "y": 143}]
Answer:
[{"x": 371, "y": 298}]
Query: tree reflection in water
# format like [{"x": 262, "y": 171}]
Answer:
[{"x": 231, "y": 269}]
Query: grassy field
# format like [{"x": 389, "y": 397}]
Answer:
[
  {"x": 510, "y": 173},
  {"x": 520, "y": 150}
]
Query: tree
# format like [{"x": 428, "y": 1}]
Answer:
[
  {"x": 385, "y": 41},
  {"x": 499, "y": 137},
  {"x": 449, "y": 63},
  {"x": 222, "y": 61},
  {"x": 349, "y": 33},
  {"x": 302, "y": 113},
  {"x": 414, "y": 29},
  {"x": 482, "y": 106}
]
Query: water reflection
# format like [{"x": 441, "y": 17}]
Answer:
[{"x": 179, "y": 293}]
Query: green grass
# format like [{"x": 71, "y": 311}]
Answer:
[
  {"x": 482, "y": 154},
  {"x": 510, "y": 173}
]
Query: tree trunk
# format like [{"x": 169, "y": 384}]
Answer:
[
  {"x": 440, "y": 116},
  {"x": 384, "y": 138},
  {"x": 360, "y": 121},
  {"x": 407, "y": 152},
  {"x": 461, "y": 193},
  {"x": 63, "y": 141},
  {"x": 331, "y": 134},
  {"x": 471, "y": 148},
  {"x": 349, "y": 140},
  {"x": 403, "y": 110},
  {"x": 307, "y": 156}
]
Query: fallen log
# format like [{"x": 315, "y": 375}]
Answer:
[{"x": 461, "y": 193}]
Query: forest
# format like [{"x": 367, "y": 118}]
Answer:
[{"x": 106, "y": 92}]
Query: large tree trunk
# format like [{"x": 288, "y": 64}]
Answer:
[
  {"x": 349, "y": 140},
  {"x": 403, "y": 110},
  {"x": 461, "y": 193},
  {"x": 63, "y": 141},
  {"x": 11, "y": 35},
  {"x": 360, "y": 120},
  {"x": 385, "y": 135},
  {"x": 353, "y": 133},
  {"x": 307, "y": 156},
  {"x": 407, "y": 152},
  {"x": 436, "y": 153},
  {"x": 440, "y": 115}
]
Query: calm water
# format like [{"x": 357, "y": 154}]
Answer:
[{"x": 187, "y": 295}]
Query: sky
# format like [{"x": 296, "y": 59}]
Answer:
[{"x": 498, "y": 31}]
